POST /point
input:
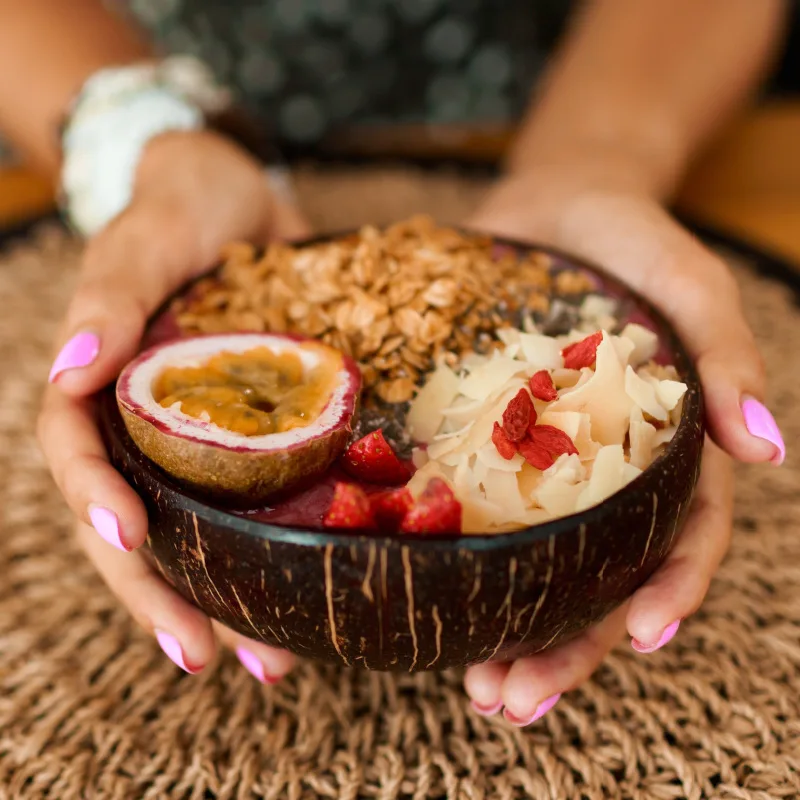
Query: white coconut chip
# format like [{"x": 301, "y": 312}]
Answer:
[
  {"x": 643, "y": 394},
  {"x": 645, "y": 343},
  {"x": 425, "y": 415}
]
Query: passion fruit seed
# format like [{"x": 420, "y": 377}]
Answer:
[{"x": 252, "y": 393}]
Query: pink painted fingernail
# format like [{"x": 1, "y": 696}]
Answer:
[
  {"x": 80, "y": 351},
  {"x": 253, "y": 665},
  {"x": 541, "y": 710},
  {"x": 760, "y": 422},
  {"x": 172, "y": 647},
  {"x": 105, "y": 522},
  {"x": 669, "y": 632},
  {"x": 486, "y": 711}
]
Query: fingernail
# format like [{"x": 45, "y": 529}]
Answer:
[
  {"x": 761, "y": 424},
  {"x": 80, "y": 351},
  {"x": 172, "y": 647},
  {"x": 541, "y": 710},
  {"x": 253, "y": 665},
  {"x": 669, "y": 632},
  {"x": 486, "y": 711},
  {"x": 105, "y": 522}
]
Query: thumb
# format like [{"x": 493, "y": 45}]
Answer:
[{"x": 127, "y": 273}]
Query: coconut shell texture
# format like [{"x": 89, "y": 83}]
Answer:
[{"x": 411, "y": 602}]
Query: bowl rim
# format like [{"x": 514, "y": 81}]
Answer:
[{"x": 691, "y": 421}]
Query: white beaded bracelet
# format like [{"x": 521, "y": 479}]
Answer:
[{"x": 117, "y": 112}]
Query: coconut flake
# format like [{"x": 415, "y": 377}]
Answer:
[
  {"x": 602, "y": 397},
  {"x": 502, "y": 489},
  {"x": 541, "y": 352},
  {"x": 669, "y": 393},
  {"x": 488, "y": 377},
  {"x": 488, "y": 455},
  {"x": 425, "y": 415},
  {"x": 607, "y": 477},
  {"x": 642, "y": 439},
  {"x": 644, "y": 340}
]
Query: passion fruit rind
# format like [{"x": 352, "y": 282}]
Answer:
[{"x": 222, "y": 463}]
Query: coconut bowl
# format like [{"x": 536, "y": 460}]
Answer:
[{"x": 419, "y": 602}]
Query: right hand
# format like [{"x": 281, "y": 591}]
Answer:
[{"x": 194, "y": 193}]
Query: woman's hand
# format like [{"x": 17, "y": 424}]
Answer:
[
  {"x": 194, "y": 192},
  {"x": 597, "y": 211}
]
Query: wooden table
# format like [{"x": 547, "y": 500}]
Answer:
[{"x": 748, "y": 184}]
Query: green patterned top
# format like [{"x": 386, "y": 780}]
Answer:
[{"x": 305, "y": 66}]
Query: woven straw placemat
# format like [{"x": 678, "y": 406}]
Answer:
[{"x": 90, "y": 708}]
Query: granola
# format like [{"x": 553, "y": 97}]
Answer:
[{"x": 396, "y": 300}]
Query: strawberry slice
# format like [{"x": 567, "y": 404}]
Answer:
[
  {"x": 436, "y": 510},
  {"x": 542, "y": 386},
  {"x": 390, "y": 508},
  {"x": 350, "y": 508},
  {"x": 372, "y": 459},
  {"x": 583, "y": 353}
]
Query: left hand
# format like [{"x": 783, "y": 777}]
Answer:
[{"x": 598, "y": 213}]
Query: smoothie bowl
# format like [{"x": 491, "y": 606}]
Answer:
[{"x": 408, "y": 449}]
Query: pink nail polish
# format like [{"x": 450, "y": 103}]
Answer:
[
  {"x": 80, "y": 351},
  {"x": 253, "y": 665},
  {"x": 172, "y": 647},
  {"x": 105, "y": 522},
  {"x": 669, "y": 632},
  {"x": 541, "y": 710},
  {"x": 761, "y": 424},
  {"x": 486, "y": 711}
]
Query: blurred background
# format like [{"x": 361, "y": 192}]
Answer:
[{"x": 469, "y": 66}]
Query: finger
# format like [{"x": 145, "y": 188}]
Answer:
[
  {"x": 706, "y": 306},
  {"x": 183, "y": 632},
  {"x": 534, "y": 685},
  {"x": 678, "y": 587},
  {"x": 126, "y": 274},
  {"x": 266, "y": 664},
  {"x": 698, "y": 293},
  {"x": 96, "y": 493},
  {"x": 484, "y": 685}
]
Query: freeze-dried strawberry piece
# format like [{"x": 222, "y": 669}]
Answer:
[
  {"x": 517, "y": 416},
  {"x": 436, "y": 510},
  {"x": 390, "y": 508},
  {"x": 583, "y": 353},
  {"x": 544, "y": 444},
  {"x": 350, "y": 508},
  {"x": 504, "y": 445},
  {"x": 542, "y": 386},
  {"x": 372, "y": 459}
]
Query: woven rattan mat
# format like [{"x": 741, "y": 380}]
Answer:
[{"x": 90, "y": 708}]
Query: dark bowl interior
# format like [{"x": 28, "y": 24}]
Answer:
[{"x": 416, "y": 603}]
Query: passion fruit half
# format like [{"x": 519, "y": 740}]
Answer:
[{"x": 242, "y": 416}]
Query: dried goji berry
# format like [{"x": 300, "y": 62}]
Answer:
[
  {"x": 583, "y": 353},
  {"x": 542, "y": 386},
  {"x": 517, "y": 416},
  {"x": 544, "y": 444},
  {"x": 504, "y": 445}
]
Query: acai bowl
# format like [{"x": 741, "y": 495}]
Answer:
[{"x": 494, "y": 445}]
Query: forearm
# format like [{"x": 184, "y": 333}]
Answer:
[
  {"x": 48, "y": 48},
  {"x": 643, "y": 84}
]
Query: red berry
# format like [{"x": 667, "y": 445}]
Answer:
[
  {"x": 436, "y": 510},
  {"x": 542, "y": 386},
  {"x": 517, "y": 416},
  {"x": 350, "y": 508},
  {"x": 504, "y": 445},
  {"x": 372, "y": 459},
  {"x": 390, "y": 508},
  {"x": 584, "y": 353}
]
